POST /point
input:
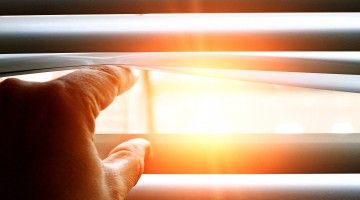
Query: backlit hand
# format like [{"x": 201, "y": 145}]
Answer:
[{"x": 46, "y": 144}]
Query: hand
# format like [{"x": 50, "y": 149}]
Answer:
[{"x": 46, "y": 145}]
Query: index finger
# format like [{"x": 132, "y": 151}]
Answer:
[{"x": 99, "y": 84}]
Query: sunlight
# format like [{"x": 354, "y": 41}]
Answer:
[
  {"x": 342, "y": 127},
  {"x": 188, "y": 104},
  {"x": 193, "y": 104},
  {"x": 290, "y": 127}
]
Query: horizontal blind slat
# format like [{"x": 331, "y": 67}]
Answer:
[
  {"x": 50, "y": 7},
  {"x": 189, "y": 32}
]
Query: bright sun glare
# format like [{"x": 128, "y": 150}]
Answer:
[{"x": 193, "y": 104}]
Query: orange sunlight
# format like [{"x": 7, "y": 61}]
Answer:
[
  {"x": 195, "y": 104},
  {"x": 191, "y": 104}
]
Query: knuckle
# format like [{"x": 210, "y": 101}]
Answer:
[
  {"x": 56, "y": 96},
  {"x": 9, "y": 89},
  {"x": 10, "y": 83},
  {"x": 128, "y": 148},
  {"x": 56, "y": 87},
  {"x": 55, "y": 91},
  {"x": 132, "y": 158},
  {"x": 125, "y": 153},
  {"x": 70, "y": 102}
]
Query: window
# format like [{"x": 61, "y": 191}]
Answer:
[
  {"x": 223, "y": 121},
  {"x": 163, "y": 102}
]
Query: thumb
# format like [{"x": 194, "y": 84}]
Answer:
[{"x": 124, "y": 166}]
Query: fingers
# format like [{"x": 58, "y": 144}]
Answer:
[
  {"x": 125, "y": 164},
  {"x": 99, "y": 85}
]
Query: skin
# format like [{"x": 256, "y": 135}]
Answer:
[{"x": 46, "y": 145}]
